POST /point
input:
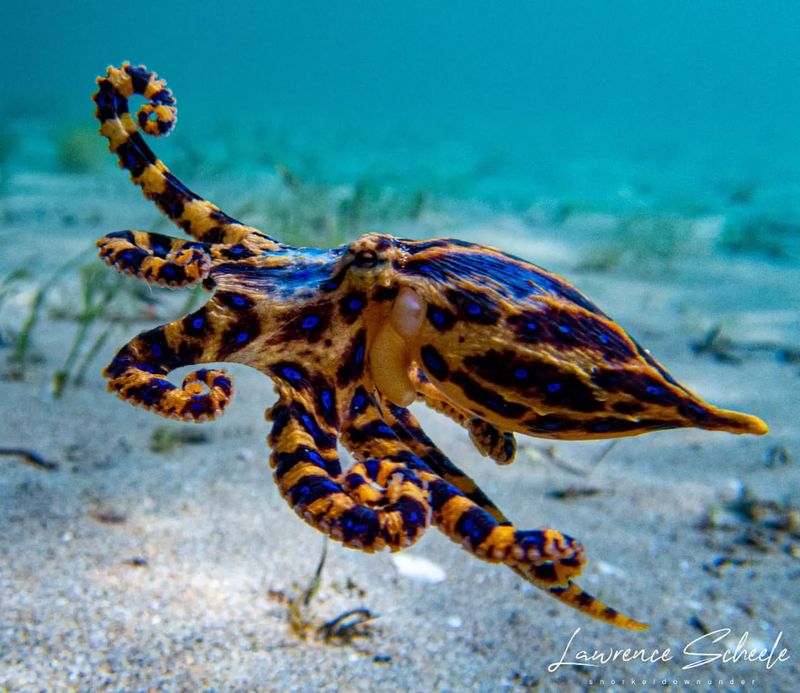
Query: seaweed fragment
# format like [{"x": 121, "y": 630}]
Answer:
[
  {"x": 77, "y": 151},
  {"x": 570, "y": 492},
  {"x": 22, "y": 345},
  {"x": 723, "y": 349},
  {"x": 108, "y": 516},
  {"x": 166, "y": 439},
  {"x": 719, "y": 347},
  {"x": 548, "y": 453},
  {"x": 346, "y": 626},
  {"x": 300, "y": 620},
  {"x": 97, "y": 292},
  {"x": 766, "y": 526},
  {"x": 31, "y": 457},
  {"x": 339, "y": 630},
  {"x": 776, "y": 239},
  {"x": 778, "y": 456}
]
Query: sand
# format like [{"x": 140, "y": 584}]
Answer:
[{"x": 128, "y": 569}]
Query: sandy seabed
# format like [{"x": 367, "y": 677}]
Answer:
[{"x": 128, "y": 569}]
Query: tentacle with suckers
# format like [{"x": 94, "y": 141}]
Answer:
[
  {"x": 379, "y": 503},
  {"x": 138, "y": 373},
  {"x": 408, "y": 429},
  {"x": 545, "y": 557},
  {"x": 489, "y": 440},
  {"x": 155, "y": 258}
]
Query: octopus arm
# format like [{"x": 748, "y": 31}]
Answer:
[
  {"x": 545, "y": 557},
  {"x": 379, "y": 503},
  {"x": 157, "y": 116}
]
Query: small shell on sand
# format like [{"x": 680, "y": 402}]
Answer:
[{"x": 418, "y": 568}]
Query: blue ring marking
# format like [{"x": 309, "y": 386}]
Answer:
[
  {"x": 359, "y": 356},
  {"x": 566, "y": 329},
  {"x": 327, "y": 399},
  {"x": 699, "y": 411},
  {"x": 434, "y": 363},
  {"x": 198, "y": 403},
  {"x": 156, "y": 350},
  {"x": 438, "y": 317},
  {"x": 238, "y": 301},
  {"x": 300, "y": 276},
  {"x": 242, "y": 337},
  {"x": 355, "y": 304},
  {"x": 197, "y": 323},
  {"x": 655, "y": 390},
  {"x": 291, "y": 373},
  {"x": 358, "y": 401},
  {"x": 603, "y": 337},
  {"x": 521, "y": 373},
  {"x": 130, "y": 159},
  {"x": 474, "y": 309},
  {"x": 532, "y": 540},
  {"x": 554, "y": 387},
  {"x": 309, "y": 322},
  {"x": 371, "y": 466}
]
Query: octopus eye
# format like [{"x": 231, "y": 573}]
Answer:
[{"x": 366, "y": 258}]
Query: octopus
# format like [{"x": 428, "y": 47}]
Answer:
[{"x": 353, "y": 335}]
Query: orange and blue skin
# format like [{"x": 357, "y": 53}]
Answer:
[{"x": 352, "y": 335}]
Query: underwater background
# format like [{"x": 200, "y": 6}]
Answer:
[
  {"x": 648, "y": 151},
  {"x": 684, "y": 107}
]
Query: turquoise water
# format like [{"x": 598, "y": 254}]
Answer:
[
  {"x": 647, "y": 151},
  {"x": 680, "y": 106}
]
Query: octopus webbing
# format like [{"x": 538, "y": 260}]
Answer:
[{"x": 352, "y": 335}]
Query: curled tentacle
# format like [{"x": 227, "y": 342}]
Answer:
[
  {"x": 545, "y": 557},
  {"x": 378, "y": 504},
  {"x": 410, "y": 432},
  {"x": 367, "y": 434},
  {"x": 395, "y": 489},
  {"x": 139, "y": 371},
  {"x": 158, "y": 259},
  {"x": 198, "y": 217}
]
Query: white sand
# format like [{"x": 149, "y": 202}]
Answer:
[{"x": 75, "y": 614}]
